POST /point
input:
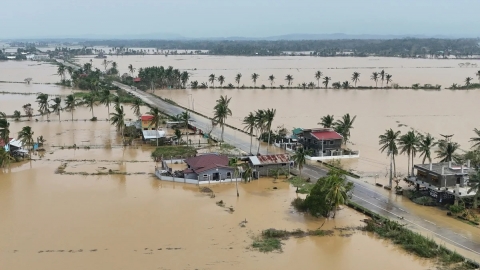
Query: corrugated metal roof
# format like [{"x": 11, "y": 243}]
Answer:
[
  {"x": 269, "y": 159},
  {"x": 153, "y": 134}
]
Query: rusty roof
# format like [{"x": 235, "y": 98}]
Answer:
[{"x": 269, "y": 159}]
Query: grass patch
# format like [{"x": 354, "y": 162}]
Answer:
[
  {"x": 301, "y": 184},
  {"x": 270, "y": 239},
  {"x": 267, "y": 244},
  {"x": 174, "y": 151}
]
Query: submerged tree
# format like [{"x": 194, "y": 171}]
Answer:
[
  {"x": 468, "y": 82},
  {"x": 238, "y": 78},
  {"x": 271, "y": 78},
  {"x": 222, "y": 111},
  {"x": 90, "y": 102},
  {"x": 388, "y": 141},
  {"x": 249, "y": 125},
  {"x": 212, "y": 79},
  {"x": 374, "y": 78},
  {"x": 221, "y": 80},
  {"x": 289, "y": 79},
  {"x": 254, "y": 79},
  {"x": 118, "y": 120},
  {"x": 409, "y": 144},
  {"x": 318, "y": 76},
  {"x": 326, "y": 80},
  {"x": 56, "y": 106},
  {"x": 26, "y": 136},
  {"x": 355, "y": 78},
  {"x": 71, "y": 103}
]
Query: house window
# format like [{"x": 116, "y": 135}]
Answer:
[
  {"x": 205, "y": 177},
  {"x": 260, "y": 166},
  {"x": 331, "y": 142},
  {"x": 324, "y": 142},
  {"x": 315, "y": 142},
  {"x": 229, "y": 175}
]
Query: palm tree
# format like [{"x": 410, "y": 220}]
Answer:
[
  {"x": 425, "y": 146},
  {"x": 446, "y": 151},
  {"x": 344, "y": 125},
  {"x": 374, "y": 78},
  {"x": 409, "y": 144},
  {"x": 5, "y": 157},
  {"x": 388, "y": 78},
  {"x": 249, "y": 125},
  {"x": 336, "y": 193},
  {"x": 300, "y": 158},
  {"x": 478, "y": 75},
  {"x": 156, "y": 120},
  {"x": 178, "y": 135},
  {"x": 355, "y": 78},
  {"x": 289, "y": 79},
  {"x": 260, "y": 121},
  {"x": 388, "y": 141},
  {"x": 118, "y": 119},
  {"x": 184, "y": 117},
  {"x": 56, "y": 106},
  {"x": 42, "y": 100},
  {"x": 238, "y": 78},
  {"x": 70, "y": 71},
  {"x": 269, "y": 116},
  {"x": 222, "y": 111},
  {"x": 105, "y": 64},
  {"x": 106, "y": 99},
  {"x": 382, "y": 76},
  {"x": 87, "y": 67},
  {"x": 474, "y": 183},
  {"x": 468, "y": 81},
  {"x": 212, "y": 79},
  {"x": 327, "y": 121},
  {"x": 70, "y": 103},
  {"x": 136, "y": 106},
  {"x": 345, "y": 85},
  {"x": 318, "y": 76},
  {"x": 61, "y": 71},
  {"x": 271, "y": 78},
  {"x": 17, "y": 115},
  {"x": 221, "y": 80},
  {"x": 254, "y": 79},
  {"x": 26, "y": 136},
  {"x": 90, "y": 101},
  {"x": 184, "y": 78},
  {"x": 131, "y": 69},
  {"x": 326, "y": 80},
  {"x": 476, "y": 140},
  {"x": 4, "y": 129}
]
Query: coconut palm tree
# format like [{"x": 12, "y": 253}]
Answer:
[
  {"x": 249, "y": 123},
  {"x": 355, "y": 78},
  {"x": 184, "y": 117},
  {"x": 327, "y": 121},
  {"x": 156, "y": 119},
  {"x": 5, "y": 158},
  {"x": 106, "y": 99},
  {"x": 17, "y": 115},
  {"x": 300, "y": 158},
  {"x": 260, "y": 121},
  {"x": 289, "y": 79},
  {"x": 4, "y": 129},
  {"x": 468, "y": 81},
  {"x": 61, "y": 71},
  {"x": 42, "y": 100},
  {"x": 131, "y": 69},
  {"x": 271, "y": 78},
  {"x": 344, "y": 125},
  {"x": 388, "y": 78},
  {"x": 269, "y": 116},
  {"x": 26, "y": 136},
  {"x": 326, "y": 80},
  {"x": 345, "y": 85},
  {"x": 90, "y": 102},
  {"x": 118, "y": 120},
  {"x": 71, "y": 103},
  {"x": 382, "y": 76},
  {"x": 184, "y": 78},
  {"x": 254, "y": 79},
  {"x": 336, "y": 192},
  {"x": 476, "y": 140},
  {"x": 388, "y": 141},
  {"x": 87, "y": 67},
  {"x": 212, "y": 79},
  {"x": 318, "y": 76},
  {"x": 178, "y": 135},
  {"x": 136, "y": 104},
  {"x": 56, "y": 106},
  {"x": 446, "y": 151},
  {"x": 408, "y": 143},
  {"x": 222, "y": 111},
  {"x": 238, "y": 78},
  {"x": 478, "y": 75},
  {"x": 474, "y": 184},
  {"x": 105, "y": 64},
  {"x": 70, "y": 71},
  {"x": 221, "y": 80},
  {"x": 374, "y": 78},
  {"x": 424, "y": 147}
]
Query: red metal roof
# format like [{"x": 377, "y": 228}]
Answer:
[
  {"x": 327, "y": 135},
  {"x": 273, "y": 159},
  {"x": 207, "y": 162},
  {"x": 137, "y": 79},
  {"x": 147, "y": 117}
]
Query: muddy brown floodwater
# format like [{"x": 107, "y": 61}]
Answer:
[{"x": 132, "y": 220}]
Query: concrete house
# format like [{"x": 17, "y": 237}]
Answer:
[
  {"x": 262, "y": 165},
  {"x": 322, "y": 141},
  {"x": 209, "y": 167}
]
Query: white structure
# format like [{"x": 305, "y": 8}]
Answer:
[{"x": 153, "y": 134}]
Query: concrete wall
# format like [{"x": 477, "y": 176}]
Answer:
[
  {"x": 209, "y": 174},
  {"x": 438, "y": 180},
  {"x": 264, "y": 170},
  {"x": 192, "y": 181}
]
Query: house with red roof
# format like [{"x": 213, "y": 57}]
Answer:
[
  {"x": 147, "y": 122},
  {"x": 322, "y": 141},
  {"x": 208, "y": 167}
]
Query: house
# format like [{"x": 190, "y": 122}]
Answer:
[
  {"x": 149, "y": 135},
  {"x": 322, "y": 141},
  {"x": 263, "y": 165},
  {"x": 444, "y": 181},
  {"x": 209, "y": 167},
  {"x": 137, "y": 80},
  {"x": 147, "y": 122}
]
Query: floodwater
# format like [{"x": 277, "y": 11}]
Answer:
[{"x": 52, "y": 221}]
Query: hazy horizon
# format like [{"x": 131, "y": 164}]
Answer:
[{"x": 247, "y": 18}]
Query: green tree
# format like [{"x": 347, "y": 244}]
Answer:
[
  {"x": 118, "y": 120},
  {"x": 17, "y": 115},
  {"x": 221, "y": 80},
  {"x": 222, "y": 111},
  {"x": 336, "y": 188},
  {"x": 184, "y": 78},
  {"x": 238, "y": 78},
  {"x": 26, "y": 136},
  {"x": 105, "y": 64},
  {"x": 327, "y": 121},
  {"x": 156, "y": 120},
  {"x": 249, "y": 123},
  {"x": 374, "y": 78},
  {"x": 71, "y": 103},
  {"x": 131, "y": 69},
  {"x": 345, "y": 85},
  {"x": 382, "y": 76},
  {"x": 289, "y": 79},
  {"x": 318, "y": 76},
  {"x": 106, "y": 99},
  {"x": 212, "y": 79},
  {"x": 409, "y": 143},
  {"x": 90, "y": 102},
  {"x": 178, "y": 135},
  {"x": 136, "y": 104},
  {"x": 254, "y": 79},
  {"x": 184, "y": 117},
  {"x": 70, "y": 71},
  {"x": 344, "y": 125},
  {"x": 42, "y": 100},
  {"x": 388, "y": 78},
  {"x": 474, "y": 184},
  {"x": 56, "y": 106},
  {"x": 271, "y": 78},
  {"x": 260, "y": 121},
  {"x": 87, "y": 67},
  {"x": 355, "y": 78},
  {"x": 425, "y": 146},
  {"x": 269, "y": 116},
  {"x": 476, "y": 140},
  {"x": 326, "y": 80},
  {"x": 446, "y": 151},
  {"x": 61, "y": 71},
  {"x": 388, "y": 141},
  {"x": 300, "y": 158},
  {"x": 468, "y": 81},
  {"x": 478, "y": 75},
  {"x": 4, "y": 129},
  {"x": 5, "y": 158}
]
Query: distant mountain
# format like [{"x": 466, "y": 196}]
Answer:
[{"x": 334, "y": 36}]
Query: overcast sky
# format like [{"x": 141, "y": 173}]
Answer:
[{"x": 250, "y": 18}]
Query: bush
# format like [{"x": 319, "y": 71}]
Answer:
[
  {"x": 267, "y": 244},
  {"x": 456, "y": 209},
  {"x": 424, "y": 200},
  {"x": 93, "y": 118},
  {"x": 299, "y": 205}
]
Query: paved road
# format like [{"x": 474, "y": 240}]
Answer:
[{"x": 363, "y": 194}]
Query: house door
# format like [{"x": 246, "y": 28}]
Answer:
[
  {"x": 229, "y": 175},
  {"x": 216, "y": 176}
]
